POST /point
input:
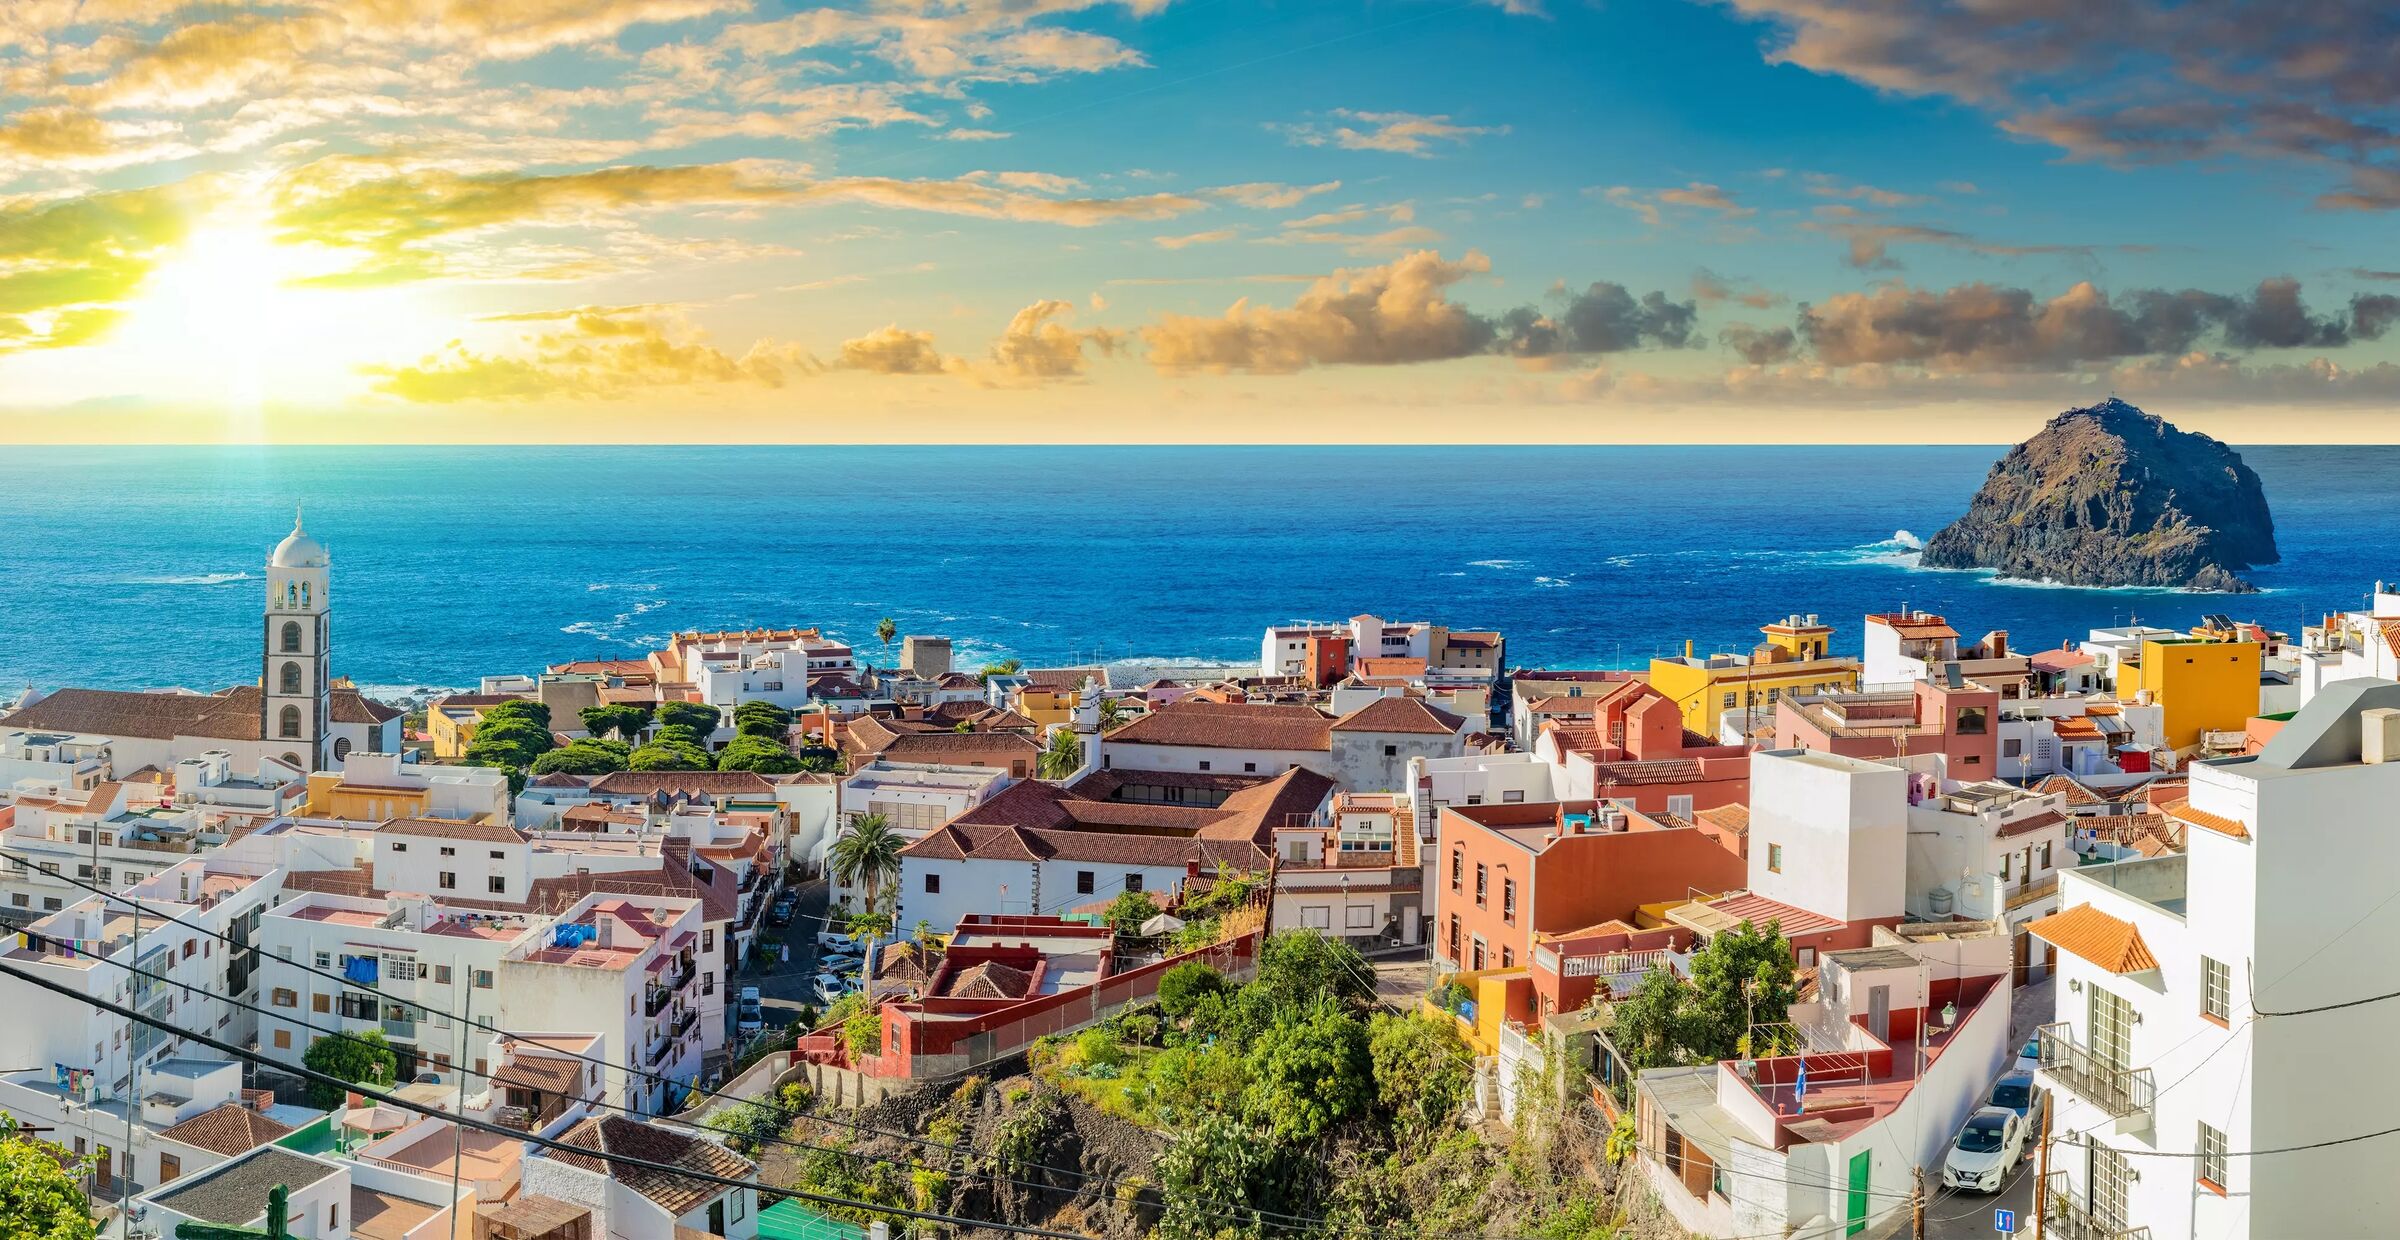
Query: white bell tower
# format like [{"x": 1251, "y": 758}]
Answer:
[{"x": 295, "y": 690}]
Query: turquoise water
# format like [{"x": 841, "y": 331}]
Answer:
[{"x": 138, "y": 567}]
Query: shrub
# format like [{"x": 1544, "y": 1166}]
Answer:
[
  {"x": 1180, "y": 991},
  {"x": 1098, "y": 1048}
]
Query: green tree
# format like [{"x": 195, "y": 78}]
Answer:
[
  {"x": 1129, "y": 910},
  {"x": 359, "y": 1058},
  {"x": 1184, "y": 986},
  {"x": 623, "y": 719},
  {"x": 757, "y": 753},
  {"x": 817, "y": 761},
  {"x": 1646, "y": 1025},
  {"x": 886, "y": 630},
  {"x": 1063, "y": 756},
  {"x": 761, "y": 719},
  {"x": 41, "y": 1194},
  {"x": 698, "y": 716},
  {"x": 1741, "y": 980},
  {"x": 1423, "y": 1073},
  {"x": 1308, "y": 1075},
  {"x": 1204, "y": 1181},
  {"x": 868, "y": 854},
  {"x": 525, "y": 709},
  {"x": 679, "y": 734},
  {"x": 583, "y": 757},
  {"x": 1295, "y": 967},
  {"x": 1112, "y": 713},
  {"x": 1001, "y": 667},
  {"x": 665, "y": 755}
]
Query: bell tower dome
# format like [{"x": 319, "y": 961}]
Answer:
[{"x": 295, "y": 689}]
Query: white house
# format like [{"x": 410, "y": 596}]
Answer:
[
  {"x": 629, "y": 1202},
  {"x": 327, "y": 1198},
  {"x": 2211, "y": 1003},
  {"x": 1990, "y": 852},
  {"x": 1240, "y": 738},
  {"x": 2351, "y": 644},
  {"x": 1374, "y": 746}
]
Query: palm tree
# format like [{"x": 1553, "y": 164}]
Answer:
[
  {"x": 885, "y": 630},
  {"x": 868, "y": 854},
  {"x": 1112, "y": 713},
  {"x": 1063, "y": 757}
]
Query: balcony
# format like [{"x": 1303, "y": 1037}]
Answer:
[
  {"x": 2027, "y": 893},
  {"x": 684, "y": 1023},
  {"x": 400, "y": 1030},
  {"x": 658, "y": 1053},
  {"x": 680, "y": 976},
  {"x": 657, "y": 1000},
  {"x": 2066, "y": 1218},
  {"x": 2126, "y": 1093}
]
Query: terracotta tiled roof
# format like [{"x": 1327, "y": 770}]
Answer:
[
  {"x": 961, "y": 842},
  {"x": 1400, "y": 714},
  {"x": 2085, "y": 931},
  {"x": 677, "y": 1195},
  {"x": 228, "y": 715},
  {"x": 2077, "y": 795},
  {"x": 698, "y": 783},
  {"x": 990, "y": 980},
  {"x": 1658, "y": 771},
  {"x": 1063, "y": 677},
  {"x": 1916, "y": 626},
  {"x": 444, "y": 829},
  {"x": 2030, "y": 824},
  {"x": 2151, "y": 835},
  {"x": 1224, "y": 725},
  {"x": 2203, "y": 819},
  {"x": 1758, "y": 910},
  {"x": 2058, "y": 660},
  {"x": 1730, "y": 819},
  {"x": 543, "y": 1073},
  {"x": 229, "y": 1130},
  {"x": 2391, "y": 634}
]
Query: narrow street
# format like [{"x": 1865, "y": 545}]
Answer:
[{"x": 785, "y": 986}]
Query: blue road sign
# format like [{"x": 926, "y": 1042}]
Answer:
[{"x": 2004, "y": 1222}]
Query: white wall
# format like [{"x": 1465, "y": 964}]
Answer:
[
  {"x": 1842, "y": 826},
  {"x": 1135, "y": 756}
]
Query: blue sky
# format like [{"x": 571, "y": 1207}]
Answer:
[{"x": 1197, "y": 220}]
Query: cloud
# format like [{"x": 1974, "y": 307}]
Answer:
[
  {"x": 1983, "y": 327},
  {"x": 594, "y": 352},
  {"x": 65, "y": 263},
  {"x": 894, "y": 350},
  {"x": 1401, "y": 133},
  {"x": 1823, "y": 186},
  {"x": 1760, "y": 346},
  {"x": 1038, "y": 345},
  {"x": 1870, "y": 239},
  {"x": 1271, "y": 195},
  {"x": 2309, "y": 85},
  {"x": 1210, "y": 237},
  {"x": 1393, "y": 314},
  {"x": 1709, "y": 288},
  {"x": 1697, "y": 196},
  {"x": 1604, "y": 318}
]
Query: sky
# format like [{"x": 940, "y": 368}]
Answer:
[{"x": 1270, "y": 221}]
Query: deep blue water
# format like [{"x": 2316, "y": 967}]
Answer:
[{"x": 137, "y": 567}]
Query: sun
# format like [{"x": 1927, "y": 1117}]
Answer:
[{"x": 235, "y": 318}]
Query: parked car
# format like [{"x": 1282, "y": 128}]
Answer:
[
  {"x": 830, "y": 988},
  {"x": 749, "y": 1018},
  {"x": 749, "y": 996},
  {"x": 780, "y": 912},
  {"x": 1987, "y": 1148},
  {"x": 835, "y": 940},
  {"x": 2029, "y": 1056},
  {"x": 2016, "y": 1092}
]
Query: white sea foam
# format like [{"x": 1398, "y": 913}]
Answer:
[
  {"x": 1552, "y": 583},
  {"x": 194, "y": 579},
  {"x": 1496, "y": 564}
]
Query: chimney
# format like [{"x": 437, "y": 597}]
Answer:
[
  {"x": 1687, "y": 647},
  {"x": 2379, "y": 735}
]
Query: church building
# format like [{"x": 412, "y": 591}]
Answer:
[{"x": 296, "y": 714}]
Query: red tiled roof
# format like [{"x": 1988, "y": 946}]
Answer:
[
  {"x": 1229, "y": 725},
  {"x": 229, "y": 1130},
  {"x": 2057, "y": 660},
  {"x": 1731, "y": 819},
  {"x": 445, "y": 829},
  {"x": 2077, "y": 795},
  {"x": 2085, "y": 931},
  {"x": 990, "y": 979},
  {"x": 697, "y": 783},
  {"x": 1400, "y": 715},
  {"x": 677, "y": 1195},
  {"x": 228, "y": 715},
  {"x": 1758, "y": 910},
  {"x": 2201, "y": 818},
  {"x": 2030, "y": 824}
]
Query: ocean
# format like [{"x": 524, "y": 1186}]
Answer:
[{"x": 141, "y": 567}]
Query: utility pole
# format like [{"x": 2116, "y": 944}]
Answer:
[
  {"x": 2041, "y": 1170},
  {"x": 1916, "y": 1203},
  {"x": 133, "y": 1067}
]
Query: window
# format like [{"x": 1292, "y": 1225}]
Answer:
[
  {"x": 499, "y": 885},
  {"x": 708, "y": 982},
  {"x": 1680, "y": 806},
  {"x": 2216, "y": 992},
  {"x": 441, "y": 975},
  {"x": 1249, "y": 766},
  {"x": 1514, "y": 796},
  {"x": 290, "y": 683},
  {"x": 708, "y": 939},
  {"x": 1133, "y": 882},
  {"x": 1453, "y": 934},
  {"x": 738, "y": 1195},
  {"x": 169, "y": 1167},
  {"x": 324, "y": 960},
  {"x": 1479, "y": 884},
  {"x": 1508, "y": 957},
  {"x": 1474, "y": 798},
  {"x": 1359, "y": 916},
  {"x": 1729, "y": 701},
  {"x": 1083, "y": 882},
  {"x": 2045, "y": 855},
  {"x": 1508, "y": 899},
  {"x": 2006, "y": 860},
  {"x": 1391, "y": 751},
  {"x": 1458, "y": 867},
  {"x": 283, "y": 1039},
  {"x": 483, "y": 979},
  {"x": 933, "y": 884},
  {"x": 320, "y": 1003},
  {"x": 399, "y": 846},
  {"x": 449, "y": 852},
  {"x": 2211, "y": 1147},
  {"x": 341, "y": 748},
  {"x": 449, "y": 881},
  {"x": 2012, "y": 748},
  {"x": 289, "y": 722},
  {"x": 1774, "y": 858},
  {"x": 1971, "y": 720},
  {"x": 285, "y": 997},
  {"x": 498, "y": 855},
  {"x": 1204, "y": 764},
  {"x": 291, "y": 637}
]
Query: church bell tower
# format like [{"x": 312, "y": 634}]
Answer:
[{"x": 295, "y": 690}]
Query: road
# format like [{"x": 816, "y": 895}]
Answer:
[
  {"x": 1953, "y": 1215},
  {"x": 785, "y": 986}
]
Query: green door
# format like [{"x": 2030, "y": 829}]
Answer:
[{"x": 1859, "y": 1167}]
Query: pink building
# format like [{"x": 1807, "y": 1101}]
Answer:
[
  {"x": 1635, "y": 749},
  {"x": 1961, "y": 723}
]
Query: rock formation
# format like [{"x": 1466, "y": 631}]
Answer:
[{"x": 2113, "y": 496}]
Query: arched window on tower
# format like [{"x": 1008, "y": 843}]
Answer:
[
  {"x": 341, "y": 748},
  {"x": 291, "y": 637},
  {"x": 291, "y": 594},
  {"x": 289, "y": 725},
  {"x": 291, "y": 680},
  {"x": 304, "y": 595}
]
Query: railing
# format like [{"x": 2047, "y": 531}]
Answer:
[
  {"x": 187, "y": 845},
  {"x": 2031, "y": 892},
  {"x": 400, "y": 1029},
  {"x": 684, "y": 1023},
  {"x": 2069, "y": 1219},
  {"x": 2122, "y": 1092},
  {"x": 658, "y": 1053},
  {"x": 656, "y": 1001},
  {"x": 680, "y": 977}
]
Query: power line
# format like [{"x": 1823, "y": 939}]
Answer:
[{"x": 550, "y": 1143}]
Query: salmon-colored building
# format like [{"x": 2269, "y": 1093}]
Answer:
[
  {"x": 1507, "y": 873},
  {"x": 1961, "y": 722},
  {"x": 1635, "y": 748}
]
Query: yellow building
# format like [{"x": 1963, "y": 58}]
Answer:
[
  {"x": 2204, "y": 684},
  {"x": 330, "y": 795},
  {"x": 1794, "y": 658}
]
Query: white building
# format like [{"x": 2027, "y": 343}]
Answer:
[
  {"x": 627, "y": 1202},
  {"x": 1990, "y": 852},
  {"x": 94, "y": 945},
  {"x": 1829, "y": 834},
  {"x": 1458, "y": 655},
  {"x": 1240, "y": 738},
  {"x": 2210, "y": 1003},
  {"x": 2350, "y": 645},
  {"x": 1373, "y": 747},
  {"x": 327, "y": 1198},
  {"x": 2075, "y": 735},
  {"x": 1918, "y": 645},
  {"x": 64, "y": 841},
  {"x": 1481, "y": 779}
]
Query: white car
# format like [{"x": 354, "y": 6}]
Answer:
[
  {"x": 1991, "y": 1144},
  {"x": 2029, "y": 1056}
]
